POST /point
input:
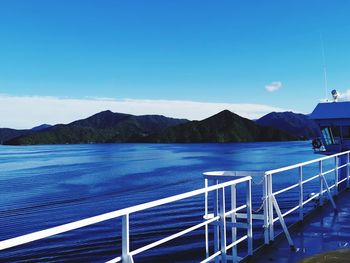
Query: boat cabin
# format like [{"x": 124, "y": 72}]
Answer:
[{"x": 333, "y": 118}]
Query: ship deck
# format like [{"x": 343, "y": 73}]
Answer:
[{"x": 321, "y": 231}]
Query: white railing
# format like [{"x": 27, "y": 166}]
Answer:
[
  {"x": 219, "y": 204},
  {"x": 218, "y": 221},
  {"x": 271, "y": 203}
]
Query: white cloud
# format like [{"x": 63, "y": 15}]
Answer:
[
  {"x": 273, "y": 86},
  {"x": 28, "y": 111}
]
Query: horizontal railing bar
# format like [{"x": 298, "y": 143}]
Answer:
[
  {"x": 184, "y": 195},
  {"x": 56, "y": 230},
  {"x": 286, "y": 168},
  {"x": 342, "y": 166},
  {"x": 286, "y": 213},
  {"x": 313, "y": 197},
  {"x": 126, "y": 211},
  {"x": 285, "y": 189},
  {"x": 235, "y": 210},
  {"x": 317, "y": 195},
  {"x": 258, "y": 216},
  {"x": 332, "y": 186},
  {"x": 236, "y": 242},
  {"x": 107, "y": 216},
  {"x": 290, "y": 211},
  {"x": 328, "y": 172},
  {"x": 208, "y": 259},
  {"x": 115, "y": 260},
  {"x": 275, "y": 219},
  {"x": 311, "y": 178},
  {"x": 167, "y": 239},
  {"x": 306, "y": 181},
  {"x": 254, "y": 216},
  {"x": 342, "y": 180},
  {"x": 325, "y": 190}
]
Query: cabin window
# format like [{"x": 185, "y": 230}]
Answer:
[
  {"x": 335, "y": 132},
  {"x": 327, "y": 135},
  {"x": 346, "y": 132}
]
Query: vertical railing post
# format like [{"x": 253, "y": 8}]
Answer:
[
  {"x": 249, "y": 217},
  {"x": 321, "y": 182},
  {"x": 222, "y": 224},
  {"x": 347, "y": 170},
  {"x": 125, "y": 240},
  {"x": 301, "y": 194},
  {"x": 272, "y": 235},
  {"x": 336, "y": 175},
  {"x": 266, "y": 212},
  {"x": 216, "y": 226},
  {"x": 206, "y": 217},
  {"x": 234, "y": 220}
]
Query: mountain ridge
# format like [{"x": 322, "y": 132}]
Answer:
[
  {"x": 225, "y": 126},
  {"x": 292, "y": 123},
  {"x": 222, "y": 127},
  {"x": 102, "y": 127}
]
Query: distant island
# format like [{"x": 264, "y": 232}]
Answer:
[{"x": 223, "y": 127}]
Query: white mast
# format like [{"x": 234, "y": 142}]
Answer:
[{"x": 324, "y": 68}]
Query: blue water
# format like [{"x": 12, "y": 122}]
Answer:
[{"x": 45, "y": 186}]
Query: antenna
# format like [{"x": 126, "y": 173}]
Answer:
[{"x": 324, "y": 67}]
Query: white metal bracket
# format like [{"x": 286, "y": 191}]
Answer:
[{"x": 284, "y": 226}]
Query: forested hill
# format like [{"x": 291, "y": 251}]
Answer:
[
  {"x": 292, "y": 123},
  {"x": 225, "y": 126},
  {"x": 222, "y": 127},
  {"x": 103, "y": 127}
]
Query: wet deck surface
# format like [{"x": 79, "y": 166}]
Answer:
[{"x": 321, "y": 232}]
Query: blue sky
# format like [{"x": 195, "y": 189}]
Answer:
[{"x": 219, "y": 52}]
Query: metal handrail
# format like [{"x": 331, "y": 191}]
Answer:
[
  {"x": 290, "y": 167},
  {"x": 324, "y": 188},
  {"x": 270, "y": 205},
  {"x": 124, "y": 213}
]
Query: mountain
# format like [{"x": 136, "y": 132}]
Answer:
[
  {"x": 41, "y": 127},
  {"x": 292, "y": 123},
  {"x": 8, "y": 134},
  {"x": 103, "y": 127},
  {"x": 222, "y": 127},
  {"x": 109, "y": 127}
]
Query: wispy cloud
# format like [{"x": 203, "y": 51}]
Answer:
[
  {"x": 273, "y": 86},
  {"x": 29, "y": 111}
]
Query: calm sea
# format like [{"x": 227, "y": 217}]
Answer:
[{"x": 45, "y": 186}]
